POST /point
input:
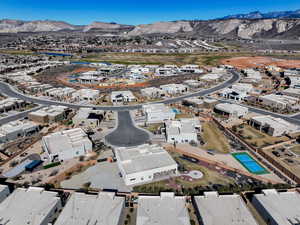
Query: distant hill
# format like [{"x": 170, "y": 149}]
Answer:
[
  {"x": 16, "y": 26},
  {"x": 270, "y": 15},
  {"x": 246, "y": 26},
  {"x": 231, "y": 28}
]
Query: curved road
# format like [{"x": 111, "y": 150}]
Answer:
[
  {"x": 126, "y": 134},
  {"x": 12, "y": 92}
]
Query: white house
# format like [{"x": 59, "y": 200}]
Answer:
[
  {"x": 87, "y": 79},
  {"x": 173, "y": 89},
  {"x": 182, "y": 131},
  {"x": 278, "y": 208},
  {"x": 166, "y": 209},
  {"x": 59, "y": 92},
  {"x": 166, "y": 71},
  {"x": 153, "y": 92},
  {"x": 211, "y": 77},
  {"x": 193, "y": 83},
  {"x": 213, "y": 209},
  {"x": 230, "y": 93},
  {"x": 86, "y": 95},
  {"x": 30, "y": 206},
  {"x": 122, "y": 96},
  {"x": 17, "y": 129},
  {"x": 252, "y": 75},
  {"x": 88, "y": 117},
  {"x": 231, "y": 110},
  {"x": 190, "y": 69},
  {"x": 273, "y": 126},
  {"x": 11, "y": 104},
  {"x": 82, "y": 209},
  {"x": 279, "y": 101},
  {"x": 68, "y": 144},
  {"x": 157, "y": 113},
  {"x": 144, "y": 163}
]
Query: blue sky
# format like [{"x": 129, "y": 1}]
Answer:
[{"x": 135, "y": 11}]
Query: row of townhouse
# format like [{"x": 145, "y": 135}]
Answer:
[{"x": 108, "y": 208}]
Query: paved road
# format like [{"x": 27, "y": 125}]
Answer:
[
  {"x": 18, "y": 116},
  {"x": 12, "y": 92},
  {"x": 295, "y": 119},
  {"x": 126, "y": 134}
]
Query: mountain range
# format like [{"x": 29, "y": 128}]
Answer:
[
  {"x": 281, "y": 25},
  {"x": 270, "y": 15}
]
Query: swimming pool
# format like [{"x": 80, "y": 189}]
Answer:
[
  {"x": 176, "y": 111},
  {"x": 249, "y": 163}
]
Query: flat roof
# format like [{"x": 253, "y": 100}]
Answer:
[
  {"x": 162, "y": 210},
  {"x": 275, "y": 122},
  {"x": 82, "y": 209},
  {"x": 231, "y": 108},
  {"x": 284, "y": 99},
  {"x": 16, "y": 126},
  {"x": 65, "y": 140},
  {"x": 223, "y": 209},
  {"x": 27, "y": 206},
  {"x": 284, "y": 207},
  {"x": 50, "y": 111},
  {"x": 157, "y": 108},
  {"x": 177, "y": 127},
  {"x": 84, "y": 113},
  {"x": 143, "y": 158}
]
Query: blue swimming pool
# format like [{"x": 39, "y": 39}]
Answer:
[
  {"x": 249, "y": 163},
  {"x": 176, "y": 111}
]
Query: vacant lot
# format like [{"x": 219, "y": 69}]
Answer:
[
  {"x": 158, "y": 59},
  {"x": 214, "y": 138},
  {"x": 260, "y": 61},
  {"x": 257, "y": 138}
]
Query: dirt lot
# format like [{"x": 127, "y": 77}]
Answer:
[
  {"x": 257, "y": 138},
  {"x": 286, "y": 158},
  {"x": 260, "y": 62},
  {"x": 214, "y": 138}
]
